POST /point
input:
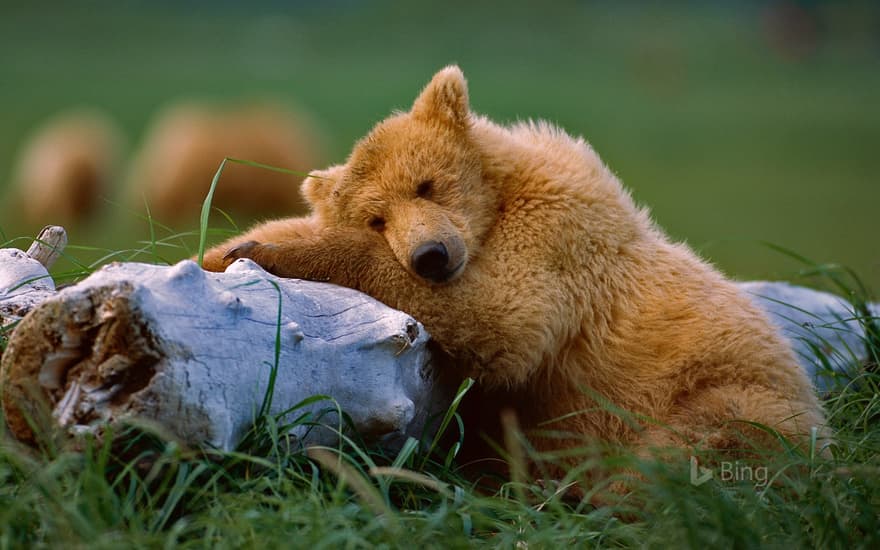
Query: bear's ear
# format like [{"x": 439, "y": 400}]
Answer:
[
  {"x": 444, "y": 99},
  {"x": 320, "y": 184}
]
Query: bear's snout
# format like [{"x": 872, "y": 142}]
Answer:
[{"x": 431, "y": 261}]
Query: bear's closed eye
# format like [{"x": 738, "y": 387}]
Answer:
[{"x": 425, "y": 188}]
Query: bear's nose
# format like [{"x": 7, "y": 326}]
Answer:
[{"x": 429, "y": 261}]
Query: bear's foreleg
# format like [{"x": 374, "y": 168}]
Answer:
[
  {"x": 218, "y": 258},
  {"x": 494, "y": 333}
]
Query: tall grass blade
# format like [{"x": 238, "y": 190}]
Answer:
[{"x": 206, "y": 212}]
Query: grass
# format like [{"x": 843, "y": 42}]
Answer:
[{"x": 141, "y": 489}]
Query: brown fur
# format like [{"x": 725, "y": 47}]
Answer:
[
  {"x": 568, "y": 294},
  {"x": 66, "y": 167},
  {"x": 183, "y": 149}
]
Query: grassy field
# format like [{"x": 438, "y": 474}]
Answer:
[
  {"x": 146, "y": 491},
  {"x": 730, "y": 143}
]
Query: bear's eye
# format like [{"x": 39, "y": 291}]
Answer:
[
  {"x": 425, "y": 188},
  {"x": 377, "y": 223}
]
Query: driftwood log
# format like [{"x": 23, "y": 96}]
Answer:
[
  {"x": 24, "y": 277},
  {"x": 194, "y": 351},
  {"x": 827, "y": 334}
]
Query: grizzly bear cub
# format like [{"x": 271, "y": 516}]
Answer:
[{"x": 540, "y": 278}]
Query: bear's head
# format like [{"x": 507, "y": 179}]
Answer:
[{"x": 416, "y": 180}]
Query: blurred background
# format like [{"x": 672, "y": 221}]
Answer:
[{"x": 738, "y": 123}]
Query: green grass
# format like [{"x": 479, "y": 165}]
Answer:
[{"x": 141, "y": 489}]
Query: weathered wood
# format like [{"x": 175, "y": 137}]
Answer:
[
  {"x": 24, "y": 279},
  {"x": 24, "y": 284},
  {"x": 194, "y": 352},
  {"x": 822, "y": 328},
  {"x": 48, "y": 245}
]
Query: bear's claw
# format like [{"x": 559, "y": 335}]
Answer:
[{"x": 244, "y": 250}]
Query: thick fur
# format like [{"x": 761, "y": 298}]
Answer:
[{"x": 567, "y": 298}]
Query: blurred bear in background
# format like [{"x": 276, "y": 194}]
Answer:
[
  {"x": 186, "y": 143},
  {"x": 66, "y": 167}
]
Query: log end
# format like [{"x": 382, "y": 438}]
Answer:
[{"x": 76, "y": 360}]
